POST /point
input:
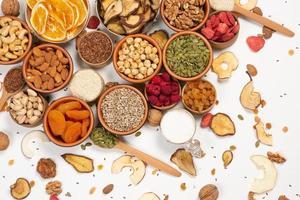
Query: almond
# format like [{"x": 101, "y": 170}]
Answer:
[{"x": 107, "y": 189}]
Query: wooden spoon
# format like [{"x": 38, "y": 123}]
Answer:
[
  {"x": 5, "y": 96},
  {"x": 263, "y": 20}
]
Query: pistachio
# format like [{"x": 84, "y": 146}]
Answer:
[
  {"x": 32, "y": 93},
  {"x": 33, "y": 120}
]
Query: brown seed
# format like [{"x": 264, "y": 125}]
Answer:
[
  {"x": 285, "y": 129},
  {"x": 267, "y": 32},
  {"x": 92, "y": 190},
  {"x": 268, "y": 125},
  {"x": 107, "y": 189},
  {"x": 213, "y": 172},
  {"x": 258, "y": 11},
  {"x": 283, "y": 197},
  {"x": 251, "y": 69},
  {"x": 209, "y": 192},
  {"x": 183, "y": 186},
  {"x": 291, "y": 52}
]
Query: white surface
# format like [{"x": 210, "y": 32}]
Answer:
[{"x": 275, "y": 79}]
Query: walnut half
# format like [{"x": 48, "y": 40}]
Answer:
[
  {"x": 53, "y": 188},
  {"x": 276, "y": 157}
]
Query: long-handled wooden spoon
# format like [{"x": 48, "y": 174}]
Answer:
[{"x": 104, "y": 139}]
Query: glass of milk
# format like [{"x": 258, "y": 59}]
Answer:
[{"x": 178, "y": 126}]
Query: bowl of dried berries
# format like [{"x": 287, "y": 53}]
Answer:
[
  {"x": 183, "y": 15},
  {"x": 47, "y": 68},
  {"x": 187, "y": 56},
  {"x": 122, "y": 109},
  {"x": 199, "y": 96},
  {"x": 137, "y": 58},
  {"x": 221, "y": 29},
  {"x": 163, "y": 91},
  {"x": 68, "y": 121}
]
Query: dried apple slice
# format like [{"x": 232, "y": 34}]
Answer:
[
  {"x": 114, "y": 10},
  {"x": 249, "y": 98},
  {"x": 222, "y": 125},
  {"x": 129, "y": 7},
  {"x": 133, "y": 30},
  {"x": 184, "y": 161},
  {"x": 149, "y": 196},
  {"x": 20, "y": 189},
  {"x": 138, "y": 167},
  {"x": 106, "y": 3},
  {"x": 161, "y": 37},
  {"x": 147, "y": 15},
  {"x": 80, "y": 163},
  {"x": 262, "y": 136},
  {"x": 132, "y": 21},
  {"x": 155, "y": 4},
  {"x": 229, "y": 60},
  {"x": 116, "y": 27},
  {"x": 267, "y": 183}
]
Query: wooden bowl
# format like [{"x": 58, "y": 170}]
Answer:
[
  {"x": 67, "y": 39},
  {"x": 201, "y": 74},
  {"x": 224, "y": 45},
  {"x": 45, "y": 104},
  {"x": 71, "y": 69},
  {"x": 203, "y": 111},
  {"x": 162, "y": 13},
  {"x": 57, "y": 140},
  {"x": 163, "y": 107},
  {"x": 116, "y": 55},
  {"x": 96, "y": 65},
  {"x": 19, "y": 59},
  {"x": 100, "y": 115}
]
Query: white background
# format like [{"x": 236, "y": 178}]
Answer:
[{"x": 277, "y": 80}]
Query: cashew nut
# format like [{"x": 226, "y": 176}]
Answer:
[
  {"x": 10, "y": 56},
  {"x": 4, "y": 49},
  {"x": 4, "y": 21},
  {"x": 21, "y": 33},
  {"x": 17, "y": 24},
  {"x": 19, "y": 52},
  {"x": 15, "y": 45},
  {"x": 4, "y": 58},
  {"x": 13, "y": 30},
  {"x": 8, "y": 39},
  {"x": 4, "y": 31},
  {"x": 24, "y": 43}
]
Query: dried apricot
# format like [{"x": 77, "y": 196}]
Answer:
[
  {"x": 84, "y": 127},
  {"x": 72, "y": 105},
  {"x": 78, "y": 114},
  {"x": 72, "y": 133},
  {"x": 56, "y": 122}
]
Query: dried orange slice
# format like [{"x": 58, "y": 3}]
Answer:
[
  {"x": 31, "y": 3},
  {"x": 39, "y": 18},
  {"x": 76, "y": 14},
  {"x": 64, "y": 11},
  {"x": 55, "y": 30},
  {"x": 80, "y": 4}
]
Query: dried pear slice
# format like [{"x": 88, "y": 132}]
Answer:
[
  {"x": 149, "y": 196},
  {"x": 21, "y": 189},
  {"x": 116, "y": 28},
  {"x": 114, "y": 10},
  {"x": 184, "y": 161},
  {"x": 155, "y": 4},
  {"x": 106, "y": 3},
  {"x": 229, "y": 59},
  {"x": 262, "y": 136},
  {"x": 249, "y": 98},
  {"x": 80, "y": 163},
  {"x": 222, "y": 125},
  {"x": 141, "y": 9},
  {"x": 133, "y": 30},
  {"x": 147, "y": 15},
  {"x": 161, "y": 37},
  {"x": 227, "y": 157},
  {"x": 132, "y": 21},
  {"x": 129, "y": 7}
]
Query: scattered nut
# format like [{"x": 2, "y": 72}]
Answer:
[
  {"x": 107, "y": 189},
  {"x": 209, "y": 192},
  {"x": 4, "y": 141},
  {"x": 46, "y": 168},
  {"x": 276, "y": 157},
  {"x": 154, "y": 117},
  {"x": 54, "y": 188},
  {"x": 10, "y": 7}
]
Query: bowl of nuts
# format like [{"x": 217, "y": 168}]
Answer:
[
  {"x": 47, "y": 68},
  {"x": 184, "y": 15},
  {"x": 27, "y": 108},
  {"x": 199, "y": 96},
  {"x": 15, "y": 41},
  {"x": 137, "y": 58}
]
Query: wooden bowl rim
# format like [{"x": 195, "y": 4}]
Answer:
[
  {"x": 71, "y": 68},
  {"x": 203, "y": 111},
  {"x": 206, "y": 69},
  {"x": 24, "y": 24},
  {"x": 118, "y": 47},
  {"x": 47, "y": 130},
  {"x": 100, "y": 116},
  {"x": 207, "y": 11}
]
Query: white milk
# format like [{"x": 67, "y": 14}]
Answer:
[{"x": 178, "y": 126}]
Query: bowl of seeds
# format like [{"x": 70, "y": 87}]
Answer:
[
  {"x": 122, "y": 109},
  {"x": 187, "y": 56}
]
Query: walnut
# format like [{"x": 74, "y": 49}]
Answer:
[
  {"x": 283, "y": 197},
  {"x": 276, "y": 157},
  {"x": 10, "y": 7},
  {"x": 46, "y": 168},
  {"x": 54, "y": 188},
  {"x": 4, "y": 141},
  {"x": 251, "y": 196}
]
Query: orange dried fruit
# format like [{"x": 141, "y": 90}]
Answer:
[
  {"x": 39, "y": 18},
  {"x": 72, "y": 133},
  {"x": 31, "y": 3},
  {"x": 56, "y": 122},
  {"x": 84, "y": 127},
  {"x": 82, "y": 11},
  {"x": 72, "y": 105},
  {"x": 78, "y": 114},
  {"x": 64, "y": 11},
  {"x": 55, "y": 30}
]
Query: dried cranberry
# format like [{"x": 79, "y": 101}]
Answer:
[
  {"x": 206, "y": 120},
  {"x": 93, "y": 22}
]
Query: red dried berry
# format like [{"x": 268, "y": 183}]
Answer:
[
  {"x": 166, "y": 88},
  {"x": 53, "y": 197},
  {"x": 255, "y": 43},
  {"x": 223, "y": 18},
  {"x": 93, "y": 22},
  {"x": 153, "y": 100},
  {"x": 227, "y": 37},
  {"x": 206, "y": 120},
  {"x": 162, "y": 98},
  {"x": 222, "y": 28},
  {"x": 208, "y": 32},
  {"x": 166, "y": 77},
  {"x": 231, "y": 18},
  {"x": 167, "y": 102},
  {"x": 215, "y": 21},
  {"x": 208, "y": 24},
  {"x": 152, "y": 89},
  {"x": 175, "y": 87},
  {"x": 156, "y": 80},
  {"x": 175, "y": 98},
  {"x": 236, "y": 29}
]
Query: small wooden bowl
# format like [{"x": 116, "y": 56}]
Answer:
[
  {"x": 224, "y": 45},
  {"x": 96, "y": 65},
  {"x": 206, "y": 10},
  {"x": 201, "y": 74},
  {"x": 116, "y": 57},
  {"x": 57, "y": 140},
  {"x": 71, "y": 68},
  {"x": 203, "y": 111},
  {"x": 67, "y": 39},
  {"x": 45, "y": 104},
  {"x": 19, "y": 59},
  {"x": 163, "y": 107},
  {"x": 100, "y": 115}
]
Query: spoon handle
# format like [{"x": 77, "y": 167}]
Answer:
[
  {"x": 264, "y": 21},
  {"x": 148, "y": 159},
  {"x": 3, "y": 98}
]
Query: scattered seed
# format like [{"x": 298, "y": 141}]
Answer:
[
  {"x": 251, "y": 70},
  {"x": 183, "y": 186},
  {"x": 154, "y": 172},
  {"x": 285, "y": 129},
  {"x": 92, "y": 190},
  {"x": 11, "y": 162},
  {"x": 240, "y": 117},
  {"x": 107, "y": 189},
  {"x": 100, "y": 167},
  {"x": 82, "y": 147},
  {"x": 137, "y": 134},
  {"x": 32, "y": 183},
  {"x": 268, "y": 125},
  {"x": 257, "y": 143},
  {"x": 213, "y": 172},
  {"x": 291, "y": 52},
  {"x": 68, "y": 194},
  {"x": 232, "y": 147}
]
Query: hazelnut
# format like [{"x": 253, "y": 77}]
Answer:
[
  {"x": 154, "y": 117},
  {"x": 4, "y": 141},
  {"x": 10, "y": 7}
]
